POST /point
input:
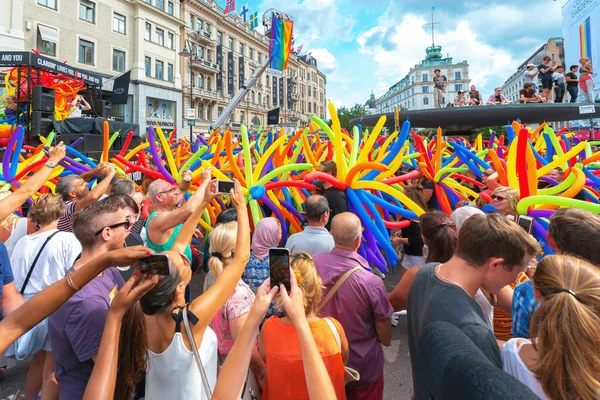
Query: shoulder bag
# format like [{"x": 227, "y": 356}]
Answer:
[
  {"x": 35, "y": 260},
  {"x": 350, "y": 374},
  {"x": 190, "y": 336},
  {"x": 335, "y": 287}
]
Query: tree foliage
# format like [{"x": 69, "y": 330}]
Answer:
[{"x": 346, "y": 114}]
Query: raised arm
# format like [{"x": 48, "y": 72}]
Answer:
[
  {"x": 97, "y": 191},
  {"x": 101, "y": 385},
  {"x": 234, "y": 372},
  {"x": 10, "y": 204},
  {"x": 318, "y": 381},
  {"x": 51, "y": 298},
  {"x": 167, "y": 220},
  {"x": 208, "y": 304}
]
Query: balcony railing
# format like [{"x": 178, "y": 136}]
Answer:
[
  {"x": 206, "y": 65},
  {"x": 206, "y": 94},
  {"x": 295, "y": 96},
  {"x": 202, "y": 36}
]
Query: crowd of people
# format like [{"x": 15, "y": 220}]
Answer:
[
  {"x": 485, "y": 318},
  {"x": 553, "y": 80}
]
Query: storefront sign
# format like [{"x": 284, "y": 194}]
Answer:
[{"x": 160, "y": 112}]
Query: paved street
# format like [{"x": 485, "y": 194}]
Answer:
[{"x": 398, "y": 382}]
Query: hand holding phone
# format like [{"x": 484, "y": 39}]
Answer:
[
  {"x": 279, "y": 265},
  {"x": 155, "y": 264},
  {"x": 224, "y": 187},
  {"x": 526, "y": 223}
]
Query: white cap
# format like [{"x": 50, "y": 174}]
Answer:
[{"x": 530, "y": 65}]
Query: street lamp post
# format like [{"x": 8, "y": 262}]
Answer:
[{"x": 188, "y": 53}]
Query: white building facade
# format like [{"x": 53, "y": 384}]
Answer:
[
  {"x": 111, "y": 37},
  {"x": 415, "y": 90},
  {"x": 11, "y": 26}
]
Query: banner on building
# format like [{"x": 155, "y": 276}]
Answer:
[
  {"x": 121, "y": 89},
  {"x": 274, "y": 90},
  {"x": 280, "y": 45},
  {"x": 230, "y": 69},
  {"x": 281, "y": 92},
  {"x": 273, "y": 117},
  {"x": 289, "y": 93},
  {"x": 220, "y": 63},
  {"x": 241, "y": 75},
  {"x": 581, "y": 30},
  {"x": 160, "y": 112}
]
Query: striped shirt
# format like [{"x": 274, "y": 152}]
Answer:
[{"x": 65, "y": 223}]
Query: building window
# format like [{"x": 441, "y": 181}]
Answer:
[
  {"x": 242, "y": 117},
  {"x": 171, "y": 40},
  {"x": 209, "y": 55},
  {"x": 200, "y": 52},
  {"x": 201, "y": 111},
  {"x": 119, "y": 23},
  {"x": 413, "y": 102},
  {"x": 47, "y": 3},
  {"x": 159, "y": 70},
  {"x": 308, "y": 77},
  {"x": 425, "y": 77},
  {"x": 425, "y": 89},
  {"x": 147, "y": 64},
  {"x": 259, "y": 98},
  {"x": 251, "y": 53},
  {"x": 242, "y": 48},
  {"x": 309, "y": 92},
  {"x": 170, "y": 8},
  {"x": 118, "y": 60},
  {"x": 87, "y": 9},
  {"x": 309, "y": 106},
  {"x": 219, "y": 37},
  {"x": 200, "y": 81},
  {"x": 148, "y": 35},
  {"x": 412, "y": 92},
  {"x": 46, "y": 40},
  {"x": 86, "y": 52},
  {"x": 252, "y": 98},
  {"x": 160, "y": 36},
  {"x": 160, "y": 4},
  {"x": 192, "y": 19},
  {"x": 457, "y": 76},
  {"x": 208, "y": 112},
  {"x": 219, "y": 111},
  {"x": 208, "y": 83},
  {"x": 458, "y": 87},
  {"x": 425, "y": 101},
  {"x": 208, "y": 28},
  {"x": 199, "y": 24},
  {"x": 170, "y": 72},
  {"x": 259, "y": 58},
  {"x": 230, "y": 43}
]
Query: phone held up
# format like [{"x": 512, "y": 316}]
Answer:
[
  {"x": 279, "y": 264},
  {"x": 224, "y": 187},
  {"x": 526, "y": 223},
  {"x": 155, "y": 264}
]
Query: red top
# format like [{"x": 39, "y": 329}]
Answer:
[{"x": 285, "y": 371}]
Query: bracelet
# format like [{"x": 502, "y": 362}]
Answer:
[{"x": 70, "y": 282}]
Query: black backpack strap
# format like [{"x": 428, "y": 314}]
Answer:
[{"x": 35, "y": 261}]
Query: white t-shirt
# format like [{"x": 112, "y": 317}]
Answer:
[
  {"x": 19, "y": 230},
  {"x": 528, "y": 77},
  {"x": 54, "y": 262},
  {"x": 513, "y": 365},
  {"x": 488, "y": 310}
]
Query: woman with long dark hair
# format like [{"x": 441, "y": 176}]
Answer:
[
  {"x": 440, "y": 237},
  {"x": 410, "y": 237}
]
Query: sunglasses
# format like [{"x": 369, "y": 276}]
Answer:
[
  {"x": 127, "y": 224},
  {"x": 499, "y": 198}
]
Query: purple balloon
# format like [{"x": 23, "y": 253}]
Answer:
[
  {"x": 157, "y": 160},
  {"x": 541, "y": 213}
]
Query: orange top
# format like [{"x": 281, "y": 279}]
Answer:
[{"x": 285, "y": 371}]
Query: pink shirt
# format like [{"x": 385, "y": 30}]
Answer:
[
  {"x": 238, "y": 304},
  {"x": 358, "y": 304}
]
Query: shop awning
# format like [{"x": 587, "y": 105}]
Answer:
[{"x": 48, "y": 34}]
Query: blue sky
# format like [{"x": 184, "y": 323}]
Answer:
[{"x": 364, "y": 44}]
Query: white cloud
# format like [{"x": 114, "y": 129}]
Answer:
[{"x": 326, "y": 61}]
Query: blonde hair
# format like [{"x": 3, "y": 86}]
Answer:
[
  {"x": 46, "y": 209},
  {"x": 512, "y": 196},
  {"x": 309, "y": 282},
  {"x": 567, "y": 327},
  {"x": 222, "y": 244},
  {"x": 9, "y": 221}
]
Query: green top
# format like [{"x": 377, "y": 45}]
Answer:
[{"x": 169, "y": 243}]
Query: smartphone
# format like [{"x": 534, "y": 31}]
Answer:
[
  {"x": 155, "y": 264},
  {"x": 279, "y": 264},
  {"x": 526, "y": 223},
  {"x": 225, "y": 187}
]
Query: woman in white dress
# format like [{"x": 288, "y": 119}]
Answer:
[{"x": 562, "y": 359}]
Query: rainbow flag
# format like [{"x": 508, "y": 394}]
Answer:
[
  {"x": 281, "y": 44},
  {"x": 585, "y": 39}
]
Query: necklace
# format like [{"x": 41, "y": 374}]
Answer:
[{"x": 439, "y": 272}]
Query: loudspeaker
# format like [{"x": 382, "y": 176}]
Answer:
[
  {"x": 39, "y": 124},
  {"x": 42, "y": 99},
  {"x": 90, "y": 143},
  {"x": 103, "y": 108}
]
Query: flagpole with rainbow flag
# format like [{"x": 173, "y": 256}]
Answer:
[{"x": 281, "y": 44}]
